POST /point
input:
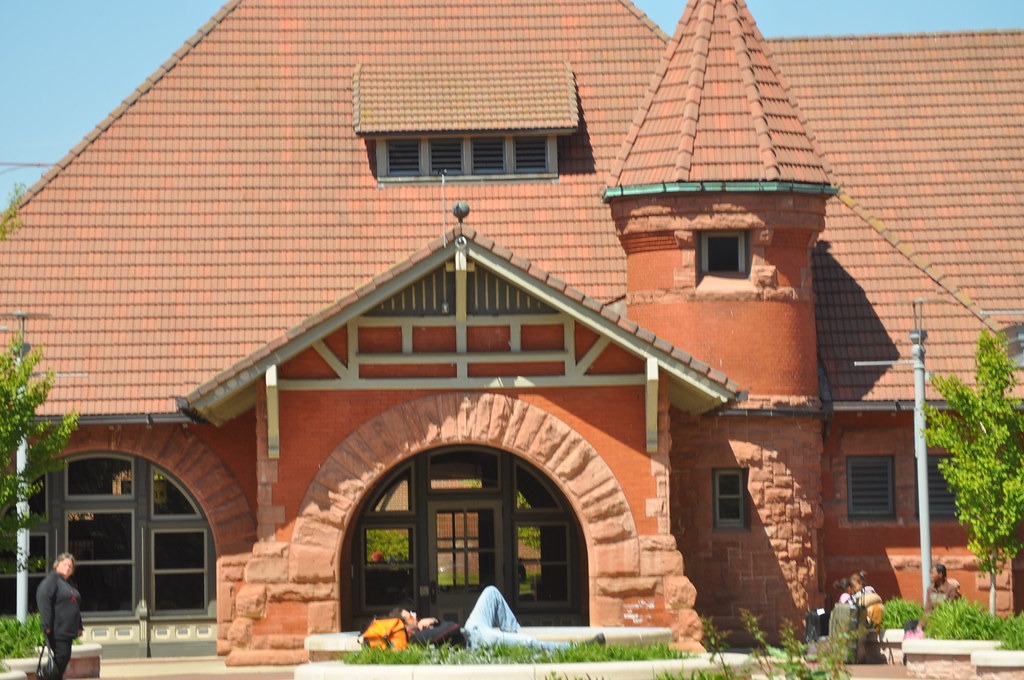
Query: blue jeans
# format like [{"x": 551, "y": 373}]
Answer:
[{"x": 492, "y": 623}]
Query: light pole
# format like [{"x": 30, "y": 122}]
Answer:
[{"x": 917, "y": 337}]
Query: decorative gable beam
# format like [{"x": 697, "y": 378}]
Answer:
[
  {"x": 651, "y": 405},
  {"x": 462, "y": 266},
  {"x": 273, "y": 415},
  {"x": 331, "y": 358}
]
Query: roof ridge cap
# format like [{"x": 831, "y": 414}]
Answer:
[
  {"x": 642, "y": 16},
  {"x": 931, "y": 270},
  {"x": 696, "y": 71},
  {"x": 755, "y": 99},
  {"x": 186, "y": 48}
]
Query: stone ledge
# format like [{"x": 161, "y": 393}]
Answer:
[
  {"x": 326, "y": 646},
  {"x": 11, "y": 675},
  {"x": 85, "y": 662},
  {"x": 932, "y": 647},
  {"x": 610, "y": 670},
  {"x": 998, "y": 658}
]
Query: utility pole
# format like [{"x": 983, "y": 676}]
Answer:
[{"x": 917, "y": 337}]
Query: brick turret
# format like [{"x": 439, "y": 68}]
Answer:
[{"x": 718, "y": 198}]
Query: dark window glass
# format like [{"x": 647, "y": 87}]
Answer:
[
  {"x": 388, "y": 567},
  {"x": 9, "y": 579},
  {"x": 168, "y": 498},
  {"x": 463, "y": 470},
  {"x": 488, "y": 156},
  {"x": 180, "y": 591},
  {"x": 869, "y": 485},
  {"x": 179, "y": 550},
  {"x": 542, "y": 562},
  {"x": 723, "y": 253},
  {"x": 730, "y": 498},
  {"x": 105, "y": 587},
  {"x": 466, "y": 550},
  {"x": 446, "y": 154},
  {"x": 404, "y": 157},
  {"x": 99, "y": 477},
  {"x": 531, "y": 494},
  {"x": 100, "y": 535},
  {"x": 531, "y": 154}
]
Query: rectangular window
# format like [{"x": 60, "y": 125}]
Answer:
[
  {"x": 869, "y": 486},
  {"x": 941, "y": 500},
  {"x": 488, "y": 156},
  {"x": 404, "y": 157},
  {"x": 730, "y": 498},
  {"x": 531, "y": 154},
  {"x": 446, "y": 156},
  {"x": 723, "y": 252},
  {"x": 179, "y": 570}
]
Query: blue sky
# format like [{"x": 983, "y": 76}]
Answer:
[{"x": 65, "y": 64}]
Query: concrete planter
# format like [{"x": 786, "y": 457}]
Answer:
[
  {"x": 11, "y": 675},
  {"x": 998, "y": 664},
  {"x": 944, "y": 659},
  {"x": 85, "y": 663},
  {"x": 891, "y": 646}
]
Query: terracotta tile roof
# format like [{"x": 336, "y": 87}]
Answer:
[
  {"x": 717, "y": 110},
  {"x": 231, "y": 377},
  {"x": 925, "y": 135},
  {"x": 230, "y": 196},
  {"x": 476, "y": 97}
]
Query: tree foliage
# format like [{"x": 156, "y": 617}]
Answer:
[
  {"x": 21, "y": 395},
  {"x": 983, "y": 430},
  {"x": 9, "y": 220}
]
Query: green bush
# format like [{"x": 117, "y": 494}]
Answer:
[
  {"x": 963, "y": 619},
  {"x": 898, "y": 611},
  {"x": 417, "y": 654},
  {"x": 1013, "y": 634},
  {"x": 19, "y": 641}
]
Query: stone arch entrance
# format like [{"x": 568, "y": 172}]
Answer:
[{"x": 624, "y": 566}]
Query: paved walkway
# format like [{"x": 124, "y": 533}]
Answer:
[{"x": 209, "y": 668}]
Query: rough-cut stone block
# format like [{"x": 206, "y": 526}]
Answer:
[
  {"x": 225, "y": 601},
  {"x": 311, "y": 564},
  {"x": 240, "y": 633},
  {"x": 612, "y": 529},
  {"x": 616, "y": 559},
  {"x": 680, "y": 592},
  {"x": 267, "y": 570},
  {"x": 270, "y": 549},
  {"x": 323, "y": 617},
  {"x": 266, "y": 657},
  {"x": 626, "y": 586},
  {"x": 301, "y": 592},
  {"x": 605, "y": 611},
  {"x": 660, "y": 562},
  {"x": 251, "y": 601}
]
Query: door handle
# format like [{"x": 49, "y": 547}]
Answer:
[{"x": 433, "y": 592}]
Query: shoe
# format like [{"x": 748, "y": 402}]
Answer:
[{"x": 598, "y": 640}]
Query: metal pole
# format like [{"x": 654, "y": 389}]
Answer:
[
  {"x": 918, "y": 336},
  {"x": 21, "y": 581}
]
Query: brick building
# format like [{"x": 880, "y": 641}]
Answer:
[{"x": 616, "y": 379}]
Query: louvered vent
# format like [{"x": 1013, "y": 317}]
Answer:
[
  {"x": 531, "y": 154},
  {"x": 869, "y": 484},
  {"x": 941, "y": 500},
  {"x": 404, "y": 157},
  {"x": 446, "y": 154},
  {"x": 488, "y": 156}
]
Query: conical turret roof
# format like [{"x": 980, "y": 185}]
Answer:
[{"x": 717, "y": 110}]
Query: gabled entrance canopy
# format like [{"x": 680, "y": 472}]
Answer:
[{"x": 465, "y": 313}]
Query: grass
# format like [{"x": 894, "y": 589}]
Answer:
[{"x": 501, "y": 654}]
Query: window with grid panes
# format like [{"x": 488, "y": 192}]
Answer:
[{"x": 730, "y": 498}]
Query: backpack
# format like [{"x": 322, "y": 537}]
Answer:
[
  {"x": 443, "y": 633},
  {"x": 385, "y": 634}
]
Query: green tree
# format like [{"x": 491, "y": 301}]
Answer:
[
  {"x": 982, "y": 429},
  {"x": 9, "y": 220},
  {"x": 21, "y": 394}
]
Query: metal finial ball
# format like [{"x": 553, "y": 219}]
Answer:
[{"x": 460, "y": 210}]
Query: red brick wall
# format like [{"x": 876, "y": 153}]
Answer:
[
  {"x": 889, "y": 550},
  {"x": 772, "y": 567}
]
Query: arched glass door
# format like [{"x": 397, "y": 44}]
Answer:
[{"x": 448, "y": 523}]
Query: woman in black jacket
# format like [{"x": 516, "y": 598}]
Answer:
[{"x": 58, "y": 600}]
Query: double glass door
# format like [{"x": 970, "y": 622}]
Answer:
[{"x": 450, "y": 522}]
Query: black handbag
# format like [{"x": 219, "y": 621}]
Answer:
[{"x": 46, "y": 669}]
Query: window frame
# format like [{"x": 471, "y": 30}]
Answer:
[
  {"x": 743, "y": 256},
  {"x": 858, "y": 513},
  {"x": 468, "y": 173},
  {"x": 717, "y": 474}
]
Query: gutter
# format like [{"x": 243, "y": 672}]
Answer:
[{"x": 697, "y": 187}]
